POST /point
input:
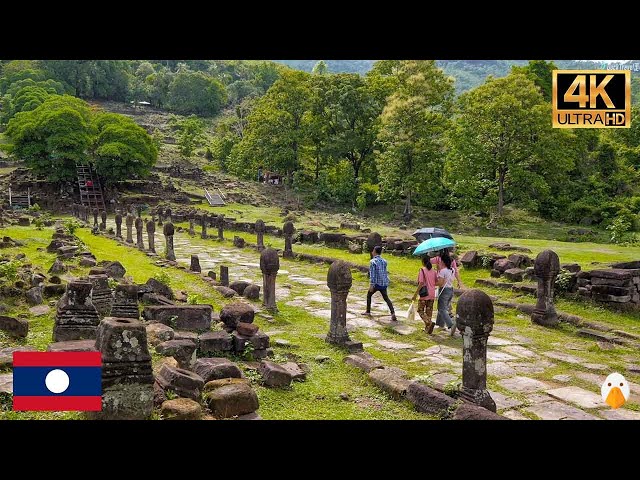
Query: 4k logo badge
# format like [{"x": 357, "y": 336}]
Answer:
[{"x": 591, "y": 98}]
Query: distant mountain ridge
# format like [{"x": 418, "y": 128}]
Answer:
[{"x": 468, "y": 73}]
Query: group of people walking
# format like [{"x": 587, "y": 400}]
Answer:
[{"x": 439, "y": 271}]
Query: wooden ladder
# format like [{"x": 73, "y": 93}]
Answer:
[{"x": 90, "y": 196}]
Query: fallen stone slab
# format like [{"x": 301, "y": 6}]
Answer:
[
  {"x": 246, "y": 329},
  {"x": 214, "y": 343},
  {"x": 579, "y": 396},
  {"x": 553, "y": 410},
  {"x": 233, "y": 313},
  {"x": 14, "y": 327},
  {"x": 221, "y": 382},
  {"x": 298, "y": 373},
  {"x": 158, "y": 333},
  {"x": 226, "y": 292},
  {"x": 216, "y": 368},
  {"x": 468, "y": 411},
  {"x": 181, "y": 409},
  {"x": 274, "y": 375},
  {"x": 195, "y": 318},
  {"x": 390, "y": 344},
  {"x": 73, "y": 346},
  {"x": 231, "y": 400},
  {"x": 390, "y": 381},
  {"x": 620, "y": 414},
  {"x": 363, "y": 360},
  {"x": 184, "y": 351},
  {"x": 183, "y": 382},
  {"x": 523, "y": 384},
  {"x": 259, "y": 341},
  {"x": 428, "y": 400}
]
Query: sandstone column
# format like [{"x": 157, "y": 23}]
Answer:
[
  {"x": 191, "y": 229},
  {"x": 168, "y": 236},
  {"x": 118, "y": 225},
  {"x": 224, "y": 275},
  {"x": 339, "y": 281},
  {"x": 195, "y": 264},
  {"x": 76, "y": 315},
  {"x": 139, "y": 226},
  {"x": 221, "y": 226},
  {"x": 168, "y": 215},
  {"x": 288, "y": 230},
  {"x": 159, "y": 212},
  {"x": 129, "y": 222},
  {"x": 96, "y": 212},
  {"x": 103, "y": 217},
  {"x": 125, "y": 302},
  {"x": 546, "y": 267},
  {"x": 474, "y": 317},
  {"x": 374, "y": 239},
  {"x": 260, "y": 234},
  {"x": 151, "y": 234},
  {"x": 204, "y": 225},
  {"x": 269, "y": 264}
]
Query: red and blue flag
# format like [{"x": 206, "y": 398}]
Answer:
[{"x": 57, "y": 381}]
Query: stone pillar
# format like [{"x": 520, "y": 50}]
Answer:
[
  {"x": 151, "y": 234},
  {"x": 125, "y": 302},
  {"x": 167, "y": 213},
  {"x": 127, "y": 377},
  {"x": 221, "y": 226},
  {"x": 103, "y": 217},
  {"x": 159, "y": 212},
  {"x": 195, "y": 264},
  {"x": 191, "y": 229},
  {"x": 260, "y": 234},
  {"x": 339, "y": 281},
  {"x": 546, "y": 268},
  {"x": 118, "y": 225},
  {"x": 224, "y": 275},
  {"x": 288, "y": 230},
  {"x": 129, "y": 222},
  {"x": 96, "y": 212},
  {"x": 139, "y": 226},
  {"x": 474, "y": 317},
  {"x": 204, "y": 225},
  {"x": 101, "y": 294},
  {"x": 139, "y": 210},
  {"x": 168, "y": 237},
  {"x": 269, "y": 264},
  {"x": 374, "y": 239},
  {"x": 76, "y": 315}
]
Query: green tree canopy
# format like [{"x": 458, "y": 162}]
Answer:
[{"x": 196, "y": 92}]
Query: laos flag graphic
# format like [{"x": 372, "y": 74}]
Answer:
[{"x": 57, "y": 381}]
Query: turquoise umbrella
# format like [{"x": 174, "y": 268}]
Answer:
[{"x": 433, "y": 245}]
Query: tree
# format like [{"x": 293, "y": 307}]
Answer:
[
  {"x": 320, "y": 68},
  {"x": 539, "y": 72},
  {"x": 190, "y": 134},
  {"x": 104, "y": 79},
  {"x": 197, "y": 93},
  {"x": 502, "y": 133},
  {"x": 123, "y": 149},
  {"x": 275, "y": 130},
  {"x": 53, "y": 137},
  {"x": 411, "y": 137}
]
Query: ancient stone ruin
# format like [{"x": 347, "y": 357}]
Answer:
[
  {"x": 103, "y": 223},
  {"x": 151, "y": 235},
  {"x": 224, "y": 275},
  {"x": 129, "y": 222},
  {"x": 192, "y": 231},
  {"x": 76, "y": 316},
  {"x": 139, "y": 232},
  {"x": 220, "y": 225},
  {"x": 288, "y": 230},
  {"x": 474, "y": 317},
  {"x": 546, "y": 268},
  {"x": 269, "y": 264},
  {"x": 101, "y": 294},
  {"x": 203, "y": 222},
  {"x": 339, "y": 281},
  {"x": 168, "y": 231},
  {"x": 96, "y": 212},
  {"x": 195, "y": 264},
  {"x": 259, "y": 228},
  {"x": 127, "y": 378},
  {"x": 118, "y": 225},
  {"x": 125, "y": 303}
]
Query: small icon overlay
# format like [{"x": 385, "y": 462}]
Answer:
[{"x": 615, "y": 390}]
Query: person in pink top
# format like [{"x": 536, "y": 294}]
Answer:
[
  {"x": 427, "y": 278},
  {"x": 438, "y": 262}
]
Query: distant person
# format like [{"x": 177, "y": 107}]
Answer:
[
  {"x": 89, "y": 184},
  {"x": 438, "y": 261},
  {"x": 427, "y": 279},
  {"x": 379, "y": 281},
  {"x": 445, "y": 282}
]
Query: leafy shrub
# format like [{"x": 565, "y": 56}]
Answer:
[
  {"x": 619, "y": 228},
  {"x": 38, "y": 222},
  {"x": 563, "y": 280},
  {"x": 163, "y": 277},
  {"x": 71, "y": 226},
  {"x": 9, "y": 271},
  {"x": 193, "y": 299},
  {"x": 34, "y": 208}
]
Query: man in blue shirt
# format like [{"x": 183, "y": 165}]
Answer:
[{"x": 378, "y": 280}]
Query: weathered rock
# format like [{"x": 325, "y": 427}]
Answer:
[
  {"x": 239, "y": 286},
  {"x": 182, "y": 350},
  {"x": 73, "y": 346},
  {"x": 231, "y": 400},
  {"x": 195, "y": 264},
  {"x": 14, "y": 327},
  {"x": 468, "y": 411},
  {"x": 389, "y": 381},
  {"x": 503, "y": 264},
  {"x": 196, "y": 318},
  {"x": 258, "y": 341},
  {"x": 269, "y": 265},
  {"x": 238, "y": 242},
  {"x": 428, "y": 400},
  {"x": 213, "y": 384},
  {"x": 363, "y": 360},
  {"x": 181, "y": 409},
  {"x": 76, "y": 316},
  {"x": 183, "y": 382},
  {"x": 274, "y": 375},
  {"x": 246, "y": 329},
  {"x": 114, "y": 269},
  {"x": 571, "y": 267},
  {"x": 34, "y": 296},
  {"x": 125, "y": 302},
  {"x": 122, "y": 340},
  {"x": 214, "y": 343},
  {"x": 514, "y": 274},
  {"x": 57, "y": 267},
  {"x": 236, "y": 312},
  {"x": 156, "y": 286},
  {"x": 298, "y": 373},
  {"x": 495, "y": 273},
  {"x": 158, "y": 333},
  {"x": 216, "y": 368},
  {"x": 53, "y": 290},
  {"x": 547, "y": 266},
  {"x": 226, "y": 292},
  {"x": 470, "y": 259},
  {"x": 252, "y": 292},
  {"x": 6, "y": 354}
]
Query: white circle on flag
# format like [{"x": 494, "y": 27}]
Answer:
[{"x": 57, "y": 381}]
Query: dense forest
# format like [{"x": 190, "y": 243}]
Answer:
[{"x": 401, "y": 132}]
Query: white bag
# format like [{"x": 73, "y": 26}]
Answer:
[{"x": 411, "y": 313}]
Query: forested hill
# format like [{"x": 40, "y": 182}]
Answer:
[{"x": 468, "y": 73}]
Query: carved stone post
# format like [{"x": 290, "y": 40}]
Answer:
[
  {"x": 221, "y": 226},
  {"x": 474, "y": 317},
  {"x": 269, "y": 264},
  {"x": 168, "y": 237},
  {"x": 191, "y": 229},
  {"x": 129, "y": 222},
  {"x": 103, "y": 217},
  {"x": 339, "y": 281},
  {"x": 96, "y": 212},
  {"x": 118, "y": 225},
  {"x": 151, "y": 234},
  {"x": 139, "y": 240},
  {"x": 224, "y": 275},
  {"x": 159, "y": 212},
  {"x": 204, "y": 225},
  {"x": 546, "y": 268},
  {"x": 168, "y": 215},
  {"x": 288, "y": 230},
  {"x": 260, "y": 234},
  {"x": 195, "y": 264}
]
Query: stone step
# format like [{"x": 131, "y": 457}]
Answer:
[{"x": 586, "y": 332}]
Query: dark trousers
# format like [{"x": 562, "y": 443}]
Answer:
[{"x": 383, "y": 291}]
